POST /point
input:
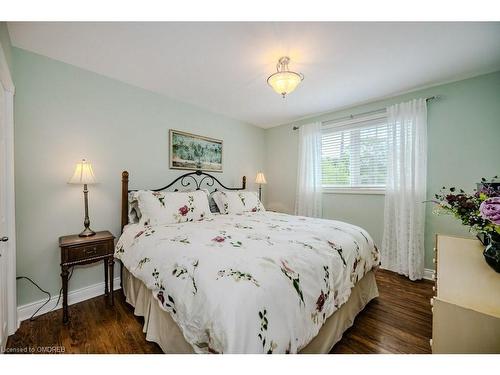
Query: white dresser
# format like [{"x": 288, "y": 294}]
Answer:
[{"x": 466, "y": 307}]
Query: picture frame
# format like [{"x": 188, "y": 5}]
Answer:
[{"x": 195, "y": 152}]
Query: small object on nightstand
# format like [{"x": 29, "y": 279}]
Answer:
[
  {"x": 77, "y": 250},
  {"x": 260, "y": 179},
  {"x": 84, "y": 175}
]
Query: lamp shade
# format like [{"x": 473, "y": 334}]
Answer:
[
  {"x": 83, "y": 174},
  {"x": 260, "y": 179}
]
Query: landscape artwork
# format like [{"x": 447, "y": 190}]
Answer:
[{"x": 195, "y": 152}]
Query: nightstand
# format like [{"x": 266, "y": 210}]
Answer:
[{"x": 77, "y": 250}]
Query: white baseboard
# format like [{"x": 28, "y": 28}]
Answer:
[
  {"x": 24, "y": 312},
  {"x": 428, "y": 272}
]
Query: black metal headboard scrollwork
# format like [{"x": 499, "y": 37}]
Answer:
[{"x": 187, "y": 180}]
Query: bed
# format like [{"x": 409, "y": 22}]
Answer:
[{"x": 250, "y": 282}]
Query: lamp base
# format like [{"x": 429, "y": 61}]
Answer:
[{"x": 87, "y": 232}]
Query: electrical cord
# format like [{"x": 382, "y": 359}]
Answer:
[{"x": 49, "y": 296}]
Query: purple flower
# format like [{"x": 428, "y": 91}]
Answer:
[
  {"x": 490, "y": 210},
  {"x": 160, "y": 297},
  {"x": 320, "y": 302},
  {"x": 489, "y": 191}
]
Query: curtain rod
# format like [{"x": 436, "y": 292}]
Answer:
[{"x": 350, "y": 117}]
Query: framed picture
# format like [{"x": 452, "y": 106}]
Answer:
[{"x": 195, "y": 152}]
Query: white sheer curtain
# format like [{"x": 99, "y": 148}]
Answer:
[
  {"x": 308, "y": 199},
  {"x": 404, "y": 213}
]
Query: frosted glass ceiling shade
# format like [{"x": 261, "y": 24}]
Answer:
[
  {"x": 260, "y": 179},
  {"x": 83, "y": 174},
  {"x": 284, "y": 81}
]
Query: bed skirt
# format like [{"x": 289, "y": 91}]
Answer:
[{"x": 159, "y": 327}]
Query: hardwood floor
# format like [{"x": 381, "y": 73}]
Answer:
[{"x": 399, "y": 321}]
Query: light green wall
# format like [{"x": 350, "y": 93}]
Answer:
[
  {"x": 63, "y": 113},
  {"x": 6, "y": 44},
  {"x": 463, "y": 146}
]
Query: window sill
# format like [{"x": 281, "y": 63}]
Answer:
[{"x": 370, "y": 191}]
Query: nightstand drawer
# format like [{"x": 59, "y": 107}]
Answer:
[{"x": 89, "y": 251}]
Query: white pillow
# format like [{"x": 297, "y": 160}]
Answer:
[
  {"x": 211, "y": 201},
  {"x": 159, "y": 208},
  {"x": 134, "y": 214},
  {"x": 216, "y": 196},
  {"x": 237, "y": 202}
]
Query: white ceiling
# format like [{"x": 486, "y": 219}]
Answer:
[{"x": 223, "y": 67}]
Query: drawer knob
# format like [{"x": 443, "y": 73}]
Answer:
[
  {"x": 433, "y": 288},
  {"x": 91, "y": 251},
  {"x": 434, "y": 260},
  {"x": 434, "y": 249},
  {"x": 432, "y": 301}
]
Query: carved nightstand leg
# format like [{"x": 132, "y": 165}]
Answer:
[
  {"x": 64, "y": 276},
  {"x": 111, "y": 279},
  {"x": 106, "y": 266}
]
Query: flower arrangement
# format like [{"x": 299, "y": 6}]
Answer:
[{"x": 480, "y": 211}]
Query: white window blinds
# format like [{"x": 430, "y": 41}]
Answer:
[{"x": 354, "y": 155}]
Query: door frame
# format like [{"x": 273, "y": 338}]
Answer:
[{"x": 10, "y": 253}]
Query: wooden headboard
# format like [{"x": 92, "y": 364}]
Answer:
[{"x": 194, "y": 180}]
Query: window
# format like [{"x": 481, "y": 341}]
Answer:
[{"x": 354, "y": 154}]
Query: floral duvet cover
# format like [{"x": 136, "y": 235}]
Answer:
[{"x": 259, "y": 282}]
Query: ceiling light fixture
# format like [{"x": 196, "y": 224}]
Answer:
[{"x": 284, "y": 81}]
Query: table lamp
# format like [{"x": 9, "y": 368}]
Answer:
[
  {"x": 260, "y": 179},
  {"x": 84, "y": 175}
]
